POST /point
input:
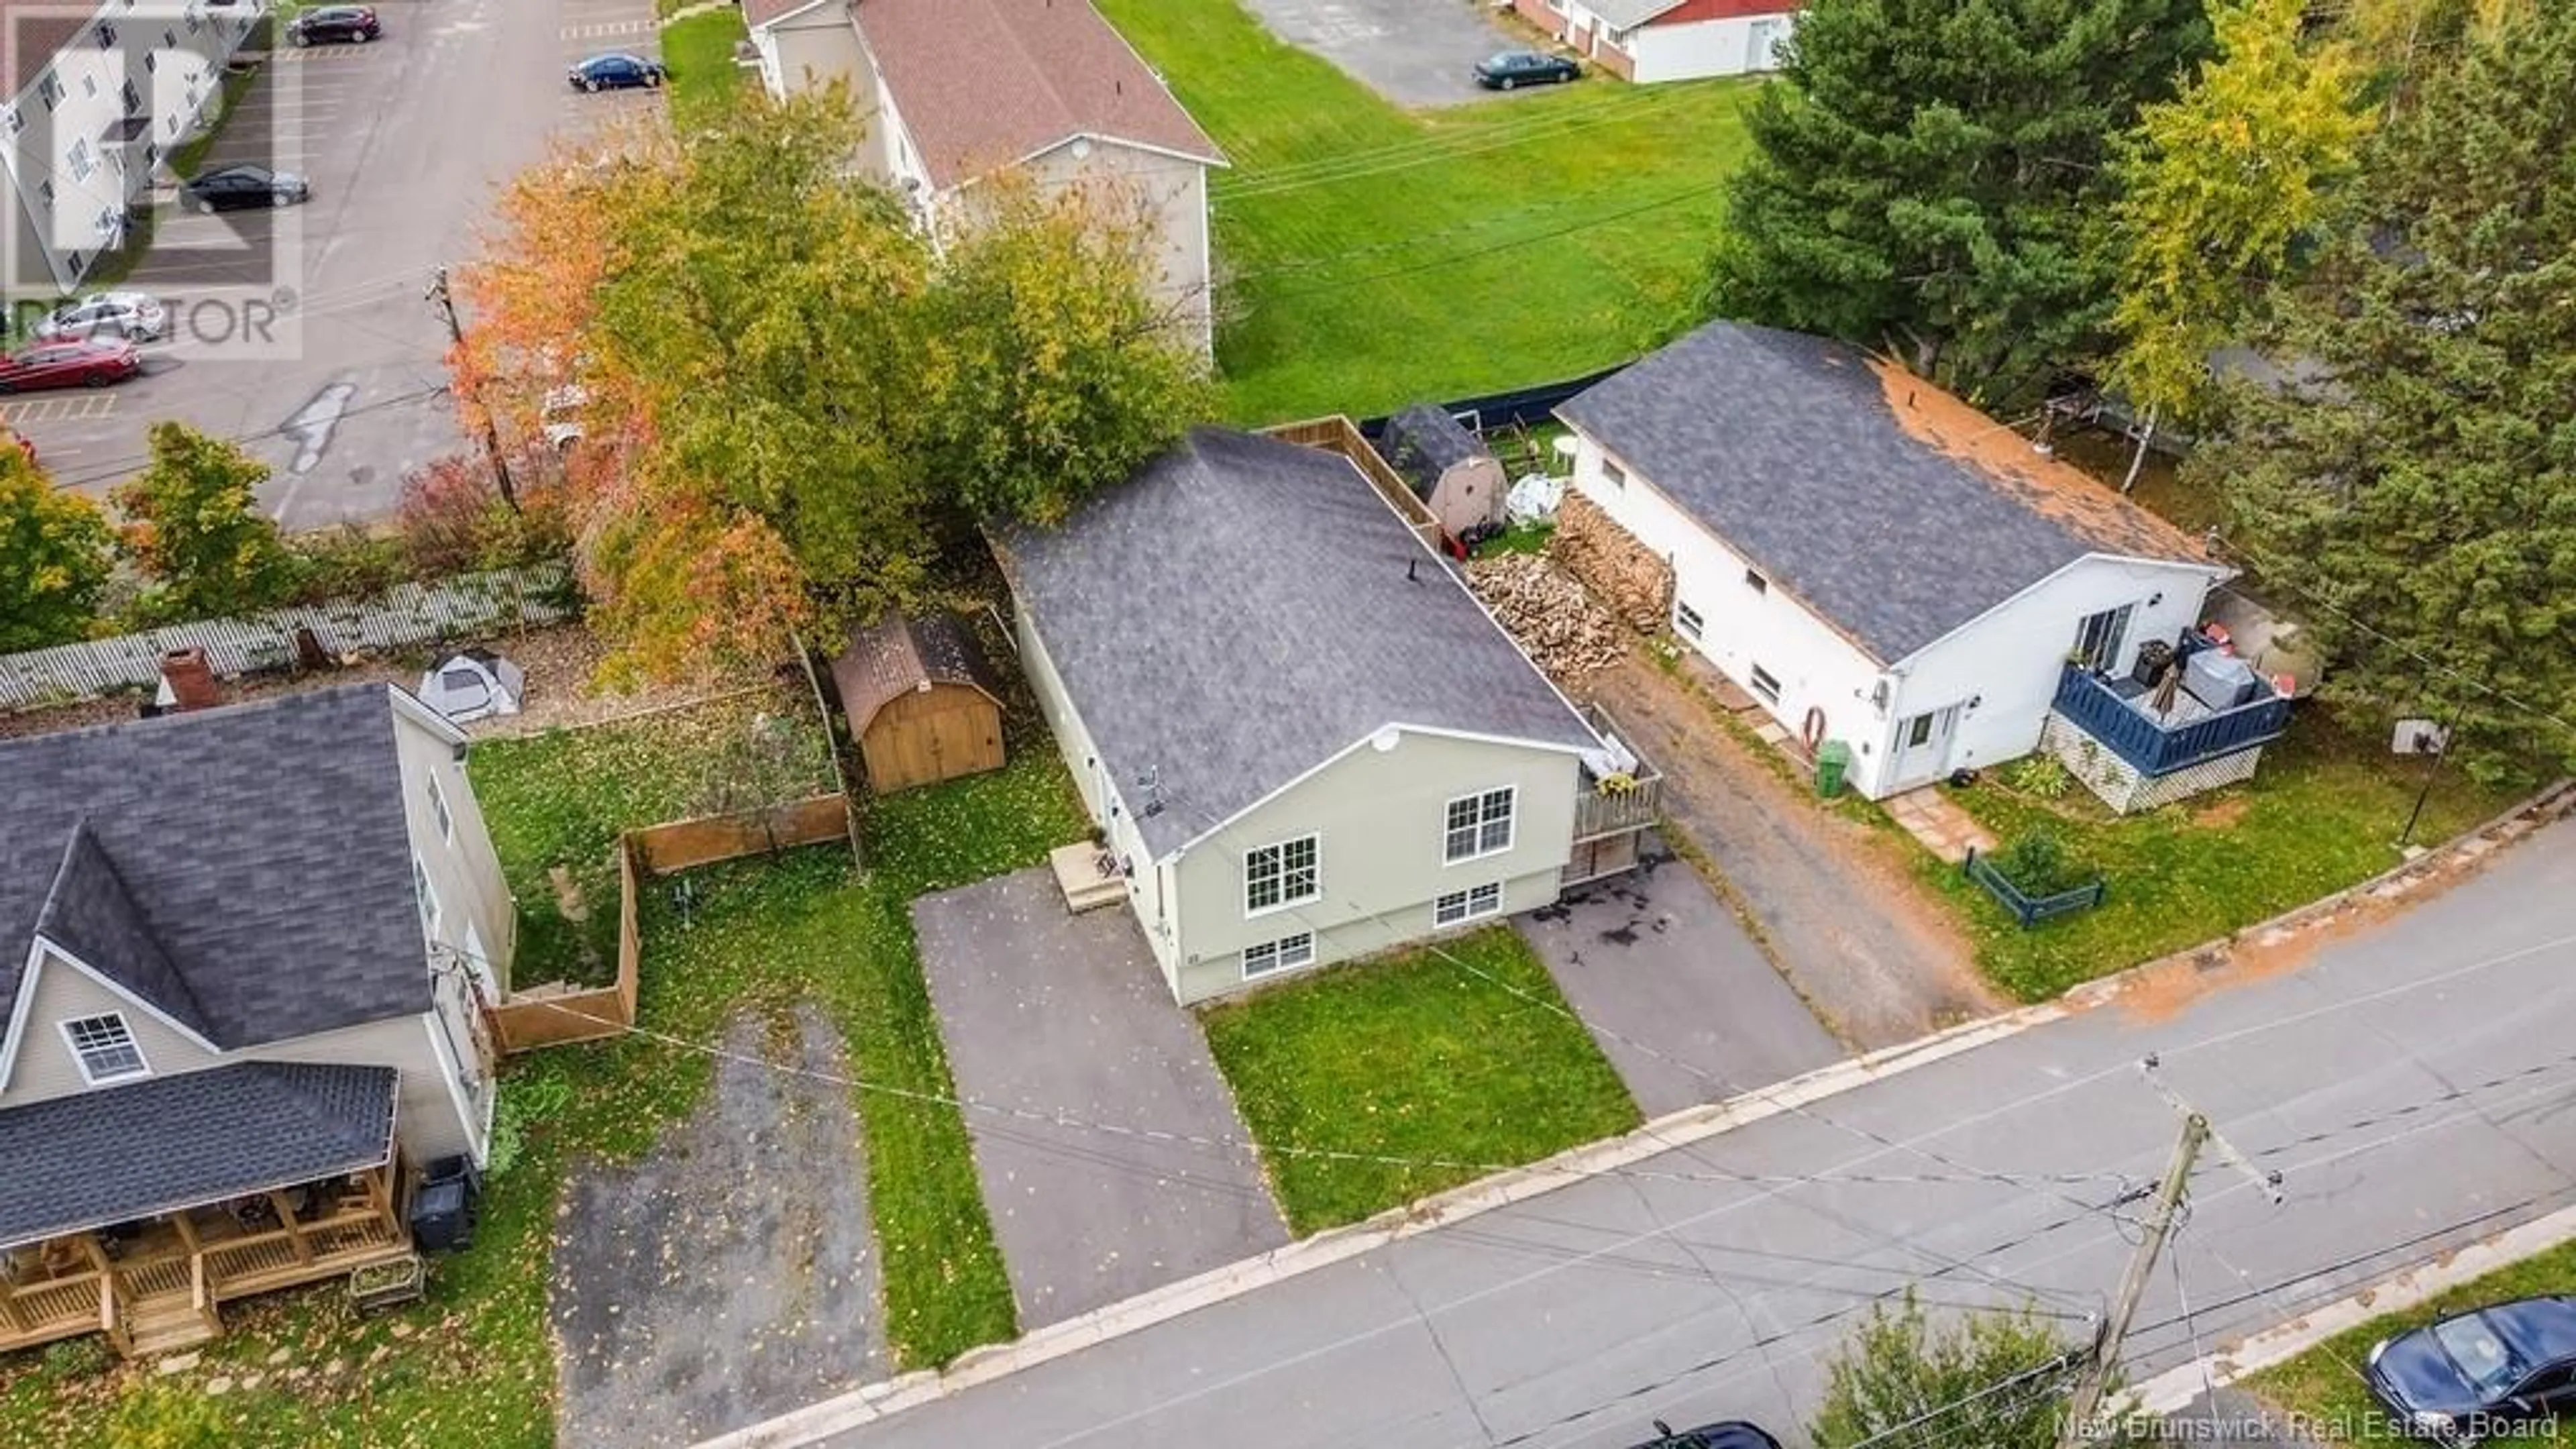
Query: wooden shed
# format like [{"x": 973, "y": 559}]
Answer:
[
  {"x": 921, "y": 700},
  {"x": 1446, "y": 466}
]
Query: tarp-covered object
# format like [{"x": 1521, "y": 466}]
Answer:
[{"x": 476, "y": 684}]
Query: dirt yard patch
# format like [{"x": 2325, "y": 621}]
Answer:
[{"x": 727, "y": 1275}]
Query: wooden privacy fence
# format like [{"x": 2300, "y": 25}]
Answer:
[
  {"x": 404, "y": 615},
  {"x": 553, "y": 1015},
  {"x": 1338, "y": 434}
]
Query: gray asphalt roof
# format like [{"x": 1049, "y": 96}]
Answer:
[
  {"x": 120, "y": 1153},
  {"x": 1895, "y": 528},
  {"x": 1241, "y": 611},
  {"x": 247, "y": 869},
  {"x": 1423, "y": 442},
  {"x": 1622, "y": 14}
]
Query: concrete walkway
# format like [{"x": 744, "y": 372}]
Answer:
[
  {"x": 1834, "y": 904},
  {"x": 1683, "y": 1003},
  {"x": 1051, "y": 1013},
  {"x": 1933, "y": 818}
]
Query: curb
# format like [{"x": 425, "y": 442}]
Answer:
[
  {"x": 2177, "y": 1389},
  {"x": 873, "y": 1402}
]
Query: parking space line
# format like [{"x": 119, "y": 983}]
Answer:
[
  {"x": 608, "y": 28},
  {"x": 58, "y": 409}
]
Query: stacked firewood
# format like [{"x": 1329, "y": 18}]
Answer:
[
  {"x": 1554, "y": 617},
  {"x": 1621, "y": 572}
]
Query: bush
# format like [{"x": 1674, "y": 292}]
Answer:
[
  {"x": 452, "y": 520},
  {"x": 346, "y": 562},
  {"x": 85, "y": 1357},
  {"x": 1901, "y": 1381},
  {"x": 2039, "y": 776},
  {"x": 2037, "y": 864}
]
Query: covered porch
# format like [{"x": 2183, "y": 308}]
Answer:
[{"x": 136, "y": 1211}]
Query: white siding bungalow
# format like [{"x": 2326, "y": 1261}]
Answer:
[
  {"x": 1663, "y": 40},
  {"x": 1878, "y": 563},
  {"x": 1301, "y": 736}
]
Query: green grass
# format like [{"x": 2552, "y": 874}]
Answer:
[
  {"x": 1530, "y": 537},
  {"x": 475, "y": 1363},
  {"x": 191, "y": 156},
  {"x": 1368, "y": 257},
  {"x": 2323, "y": 813},
  {"x": 2324, "y": 1384},
  {"x": 1413, "y": 1057},
  {"x": 699, "y": 53},
  {"x": 558, "y": 800}
]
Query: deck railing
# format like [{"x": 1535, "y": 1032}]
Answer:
[
  {"x": 1598, "y": 812},
  {"x": 2153, "y": 749}
]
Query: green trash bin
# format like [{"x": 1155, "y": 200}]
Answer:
[{"x": 1833, "y": 762}]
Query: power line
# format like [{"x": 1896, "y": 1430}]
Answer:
[{"x": 126, "y": 464}]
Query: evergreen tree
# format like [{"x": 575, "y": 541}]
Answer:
[
  {"x": 2415, "y": 499},
  {"x": 1925, "y": 173}
]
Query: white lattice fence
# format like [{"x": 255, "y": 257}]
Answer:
[{"x": 406, "y": 614}]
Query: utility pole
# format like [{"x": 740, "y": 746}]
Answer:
[
  {"x": 2086, "y": 1401},
  {"x": 446, "y": 305}
]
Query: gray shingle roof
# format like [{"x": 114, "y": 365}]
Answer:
[
  {"x": 121, "y": 1153},
  {"x": 1423, "y": 442},
  {"x": 1896, "y": 529},
  {"x": 1623, "y": 14},
  {"x": 247, "y": 869},
  {"x": 1240, "y": 611}
]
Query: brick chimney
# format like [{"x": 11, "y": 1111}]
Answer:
[{"x": 191, "y": 680}]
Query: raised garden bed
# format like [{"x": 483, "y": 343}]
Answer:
[{"x": 2030, "y": 910}]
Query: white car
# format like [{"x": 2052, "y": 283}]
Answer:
[
  {"x": 134, "y": 316},
  {"x": 560, "y": 415}
]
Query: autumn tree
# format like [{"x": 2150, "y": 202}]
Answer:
[
  {"x": 1925, "y": 172},
  {"x": 55, "y": 559},
  {"x": 1049, "y": 371},
  {"x": 2416, "y": 502},
  {"x": 193, "y": 529},
  {"x": 2216, "y": 187}
]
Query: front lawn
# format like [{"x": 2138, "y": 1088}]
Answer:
[
  {"x": 2323, "y": 813},
  {"x": 698, "y": 51},
  {"x": 1413, "y": 1057},
  {"x": 1368, "y": 257},
  {"x": 2323, "y": 1386},
  {"x": 475, "y": 1362}
]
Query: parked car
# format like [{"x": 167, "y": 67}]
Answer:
[
  {"x": 1516, "y": 68},
  {"x": 352, "y": 24},
  {"x": 2477, "y": 1375},
  {"x": 616, "y": 72},
  {"x": 137, "y": 316},
  {"x": 559, "y": 414},
  {"x": 1733, "y": 1434},
  {"x": 232, "y": 188},
  {"x": 90, "y": 363}
]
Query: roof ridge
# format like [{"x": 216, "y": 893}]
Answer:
[{"x": 45, "y": 914}]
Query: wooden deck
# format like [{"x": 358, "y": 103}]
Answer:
[{"x": 158, "y": 1289}]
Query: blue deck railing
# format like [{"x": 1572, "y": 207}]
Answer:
[{"x": 2151, "y": 748}]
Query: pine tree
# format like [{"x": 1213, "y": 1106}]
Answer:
[
  {"x": 1926, "y": 173},
  {"x": 2415, "y": 498}
]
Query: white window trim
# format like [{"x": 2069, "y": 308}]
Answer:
[
  {"x": 1280, "y": 956},
  {"x": 1286, "y": 902},
  {"x": 1689, "y": 622},
  {"x": 1754, "y": 676},
  {"x": 1512, "y": 819},
  {"x": 439, "y": 811},
  {"x": 81, "y": 1059},
  {"x": 1467, "y": 909},
  {"x": 431, "y": 915},
  {"x": 1613, "y": 474}
]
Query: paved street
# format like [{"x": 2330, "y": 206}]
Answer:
[
  {"x": 1669, "y": 1290},
  {"x": 404, "y": 141}
]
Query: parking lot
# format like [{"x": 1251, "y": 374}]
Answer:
[{"x": 306, "y": 332}]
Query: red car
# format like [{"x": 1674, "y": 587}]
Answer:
[{"x": 92, "y": 363}]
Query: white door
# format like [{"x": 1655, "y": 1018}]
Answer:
[{"x": 1923, "y": 746}]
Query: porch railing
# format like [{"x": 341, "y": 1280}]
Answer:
[
  {"x": 1599, "y": 812},
  {"x": 2153, "y": 749}
]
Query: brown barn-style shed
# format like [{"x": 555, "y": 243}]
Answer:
[{"x": 922, "y": 702}]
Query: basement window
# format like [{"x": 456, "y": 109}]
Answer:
[
  {"x": 1764, "y": 685},
  {"x": 1686, "y": 620},
  {"x": 1285, "y": 954},
  {"x": 1468, "y": 905},
  {"x": 105, "y": 1049}
]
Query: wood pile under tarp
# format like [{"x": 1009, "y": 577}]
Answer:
[{"x": 1553, "y": 616}]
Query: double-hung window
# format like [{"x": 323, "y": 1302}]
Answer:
[
  {"x": 1287, "y": 874},
  {"x": 438, "y": 811},
  {"x": 105, "y": 1049},
  {"x": 1478, "y": 825},
  {"x": 429, "y": 914},
  {"x": 1471, "y": 904}
]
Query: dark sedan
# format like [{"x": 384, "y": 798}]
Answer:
[
  {"x": 1513, "y": 69},
  {"x": 616, "y": 73},
  {"x": 1733, "y": 1434},
  {"x": 232, "y": 188},
  {"x": 93, "y": 363},
  {"x": 2480, "y": 1374},
  {"x": 351, "y": 24}
]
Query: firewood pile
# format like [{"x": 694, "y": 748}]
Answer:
[
  {"x": 1554, "y": 617},
  {"x": 1623, "y": 573}
]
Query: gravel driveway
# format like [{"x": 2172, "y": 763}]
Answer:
[
  {"x": 730, "y": 1274},
  {"x": 1413, "y": 52}
]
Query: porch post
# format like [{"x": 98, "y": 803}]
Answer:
[
  {"x": 286, "y": 1218},
  {"x": 12, "y": 1317},
  {"x": 380, "y": 1193}
]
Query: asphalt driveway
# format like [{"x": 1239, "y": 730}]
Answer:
[
  {"x": 1682, "y": 1001},
  {"x": 1067, "y": 1017},
  {"x": 1413, "y": 52}
]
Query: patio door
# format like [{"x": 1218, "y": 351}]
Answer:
[
  {"x": 2099, "y": 639},
  {"x": 1923, "y": 746}
]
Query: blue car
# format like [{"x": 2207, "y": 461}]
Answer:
[
  {"x": 2484, "y": 1374},
  {"x": 1734, "y": 1434},
  {"x": 616, "y": 72}
]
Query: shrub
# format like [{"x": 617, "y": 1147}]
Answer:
[
  {"x": 2037, "y": 864},
  {"x": 346, "y": 562},
  {"x": 84, "y": 1357},
  {"x": 2041, "y": 777},
  {"x": 452, "y": 520}
]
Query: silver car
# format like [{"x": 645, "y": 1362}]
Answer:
[{"x": 134, "y": 316}]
